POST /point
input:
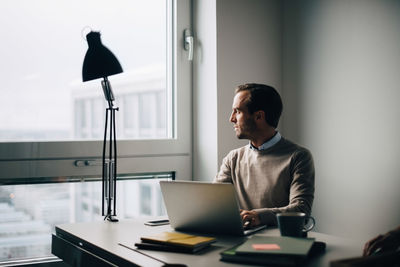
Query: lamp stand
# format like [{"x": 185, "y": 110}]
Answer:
[{"x": 109, "y": 172}]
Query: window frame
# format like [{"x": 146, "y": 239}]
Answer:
[{"x": 28, "y": 160}]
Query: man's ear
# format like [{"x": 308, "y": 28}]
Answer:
[{"x": 260, "y": 115}]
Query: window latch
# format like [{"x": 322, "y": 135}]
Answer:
[
  {"x": 188, "y": 43},
  {"x": 84, "y": 163}
]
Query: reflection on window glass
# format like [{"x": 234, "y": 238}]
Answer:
[
  {"x": 42, "y": 52},
  {"x": 30, "y": 212}
]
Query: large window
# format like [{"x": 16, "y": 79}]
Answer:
[
  {"x": 51, "y": 123},
  {"x": 43, "y": 46}
]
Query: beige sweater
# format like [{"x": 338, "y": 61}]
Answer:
[{"x": 278, "y": 179}]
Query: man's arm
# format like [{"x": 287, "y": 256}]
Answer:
[
  {"x": 301, "y": 193},
  {"x": 225, "y": 172},
  {"x": 383, "y": 243}
]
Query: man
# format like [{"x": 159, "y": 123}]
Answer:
[{"x": 271, "y": 174}]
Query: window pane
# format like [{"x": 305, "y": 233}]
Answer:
[
  {"x": 30, "y": 212},
  {"x": 42, "y": 52}
]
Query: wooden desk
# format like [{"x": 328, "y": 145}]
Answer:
[{"x": 85, "y": 244}]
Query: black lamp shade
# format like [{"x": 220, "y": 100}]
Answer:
[{"x": 99, "y": 61}]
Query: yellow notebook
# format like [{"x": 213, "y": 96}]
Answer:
[{"x": 178, "y": 239}]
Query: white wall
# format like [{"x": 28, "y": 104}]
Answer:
[
  {"x": 337, "y": 65},
  {"x": 235, "y": 43},
  {"x": 205, "y": 141},
  {"x": 341, "y": 92}
]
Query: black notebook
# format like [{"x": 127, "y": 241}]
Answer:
[
  {"x": 174, "y": 241},
  {"x": 231, "y": 255}
]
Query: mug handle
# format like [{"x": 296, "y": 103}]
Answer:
[{"x": 311, "y": 226}]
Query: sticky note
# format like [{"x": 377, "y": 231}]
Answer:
[{"x": 266, "y": 246}]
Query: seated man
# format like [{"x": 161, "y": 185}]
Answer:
[{"x": 271, "y": 174}]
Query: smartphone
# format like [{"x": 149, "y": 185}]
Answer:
[{"x": 157, "y": 222}]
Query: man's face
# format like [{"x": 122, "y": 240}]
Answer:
[{"x": 243, "y": 122}]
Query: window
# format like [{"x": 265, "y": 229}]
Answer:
[
  {"x": 51, "y": 123},
  {"x": 50, "y": 119},
  {"x": 44, "y": 51}
]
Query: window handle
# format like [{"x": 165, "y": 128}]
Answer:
[
  {"x": 84, "y": 163},
  {"x": 188, "y": 45}
]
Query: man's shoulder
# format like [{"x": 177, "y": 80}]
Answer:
[
  {"x": 238, "y": 152},
  {"x": 293, "y": 148},
  {"x": 290, "y": 147}
]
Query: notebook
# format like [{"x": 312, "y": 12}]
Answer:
[
  {"x": 274, "y": 251},
  {"x": 177, "y": 242},
  {"x": 276, "y": 245},
  {"x": 202, "y": 207}
]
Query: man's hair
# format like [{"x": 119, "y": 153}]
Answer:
[{"x": 265, "y": 98}]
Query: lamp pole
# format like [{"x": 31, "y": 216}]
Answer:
[{"x": 109, "y": 173}]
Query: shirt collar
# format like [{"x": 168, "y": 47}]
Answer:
[{"x": 271, "y": 142}]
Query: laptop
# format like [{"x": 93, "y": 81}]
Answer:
[{"x": 202, "y": 207}]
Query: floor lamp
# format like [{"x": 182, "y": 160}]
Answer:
[{"x": 100, "y": 62}]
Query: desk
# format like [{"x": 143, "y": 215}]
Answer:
[{"x": 85, "y": 244}]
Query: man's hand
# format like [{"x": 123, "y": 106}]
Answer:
[
  {"x": 250, "y": 217},
  {"x": 382, "y": 243}
]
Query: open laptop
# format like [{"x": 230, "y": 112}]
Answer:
[{"x": 204, "y": 207}]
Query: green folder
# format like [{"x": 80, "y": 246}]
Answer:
[{"x": 276, "y": 245}]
